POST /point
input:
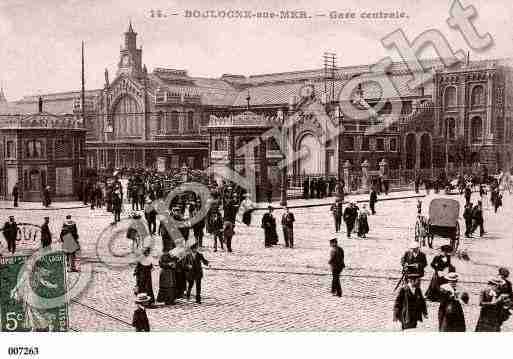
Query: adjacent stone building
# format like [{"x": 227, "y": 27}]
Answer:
[{"x": 38, "y": 150}]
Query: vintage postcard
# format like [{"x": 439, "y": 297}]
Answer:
[{"x": 254, "y": 167}]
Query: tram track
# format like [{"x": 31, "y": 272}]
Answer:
[{"x": 99, "y": 313}]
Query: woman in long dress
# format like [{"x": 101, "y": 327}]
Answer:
[
  {"x": 492, "y": 303},
  {"x": 167, "y": 279},
  {"x": 410, "y": 305},
  {"x": 363, "y": 224},
  {"x": 450, "y": 313},
  {"x": 440, "y": 264},
  {"x": 142, "y": 274}
]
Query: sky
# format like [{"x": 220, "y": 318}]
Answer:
[{"x": 40, "y": 40}]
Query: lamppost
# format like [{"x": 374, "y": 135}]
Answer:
[
  {"x": 340, "y": 169},
  {"x": 284, "y": 147}
]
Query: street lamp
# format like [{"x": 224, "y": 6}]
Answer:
[
  {"x": 340, "y": 168},
  {"x": 284, "y": 169}
]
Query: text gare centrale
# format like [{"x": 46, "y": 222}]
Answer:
[{"x": 367, "y": 15}]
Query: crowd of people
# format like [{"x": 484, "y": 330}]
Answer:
[
  {"x": 183, "y": 230},
  {"x": 410, "y": 304}
]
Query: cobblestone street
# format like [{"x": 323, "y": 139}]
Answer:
[{"x": 275, "y": 289}]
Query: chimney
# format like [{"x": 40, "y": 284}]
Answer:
[{"x": 40, "y": 103}]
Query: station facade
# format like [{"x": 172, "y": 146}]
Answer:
[{"x": 166, "y": 119}]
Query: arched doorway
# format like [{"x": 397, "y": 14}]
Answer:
[
  {"x": 310, "y": 161},
  {"x": 425, "y": 151},
  {"x": 410, "y": 148}
]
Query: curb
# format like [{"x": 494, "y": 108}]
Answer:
[
  {"x": 43, "y": 208},
  {"x": 344, "y": 202}
]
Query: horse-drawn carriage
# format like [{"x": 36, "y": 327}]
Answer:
[{"x": 442, "y": 222}]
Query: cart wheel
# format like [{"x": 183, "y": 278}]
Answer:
[{"x": 456, "y": 240}]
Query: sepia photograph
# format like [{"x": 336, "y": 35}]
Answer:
[{"x": 277, "y": 169}]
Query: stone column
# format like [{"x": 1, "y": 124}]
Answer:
[
  {"x": 417, "y": 151},
  {"x": 284, "y": 169},
  {"x": 487, "y": 134},
  {"x": 346, "y": 170},
  {"x": 365, "y": 176},
  {"x": 262, "y": 151}
]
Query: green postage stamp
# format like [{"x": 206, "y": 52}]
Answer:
[{"x": 33, "y": 292}]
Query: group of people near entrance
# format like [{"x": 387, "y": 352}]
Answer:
[
  {"x": 69, "y": 238},
  {"x": 410, "y": 304},
  {"x": 355, "y": 218}
]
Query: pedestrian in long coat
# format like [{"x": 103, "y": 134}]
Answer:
[
  {"x": 441, "y": 264},
  {"x": 287, "y": 223},
  {"x": 140, "y": 319},
  {"x": 216, "y": 228},
  {"x": 167, "y": 279},
  {"x": 70, "y": 244},
  {"x": 10, "y": 233},
  {"x": 467, "y": 216},
  {"x": 350, "y": 216},
  {"x": 194, "y": 271},
  {"x": 46, "y": 235},
  {"x": 363, "y": 223},
  {"x": 337, "y": 264},
  {"x": 142, "y": 273},
  {"x": 477, "y": 218},
  {"x": 150, "y": 214},
  {"x": 468, "y": 194},
  {"x": 372, "y": 201},
  {"x": 15, "y": 194},
  {"x": 117, "y": 204},
  {"x": 336, "y": 211},
  {"x": 269, "y": 226},
  {"x": 450, "y": 312},
  {"x": 410, "y": 305}
]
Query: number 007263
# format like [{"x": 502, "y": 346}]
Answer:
[{"x": 22, "y": 351}]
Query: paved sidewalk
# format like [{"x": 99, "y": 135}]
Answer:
[
  {"x": 30, "y": 206},
  {"x": 328, "y": 201}
]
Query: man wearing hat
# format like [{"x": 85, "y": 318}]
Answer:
[
  {"x": 410, "y": 305},
  {"x": 269, "y": 226},
  {"x": 140, "y": 319},
  {"x": 194, "y": 271},
  {"x": 450, "y": 313},
  {"x": 336, "y": 211},
  {"x": 414, "y": 261},
  {"x": 46, "y": 235},
  {"x": 69, "y": 238},
  {"x": 337, "y": 264},
  {"x": 10, "y": 233},
  {"x": 477, "y": 218},
  {"x": 150, "y": 214},
  {"x": 287, "y": 223},
  {"x": 350, "y": 215}
]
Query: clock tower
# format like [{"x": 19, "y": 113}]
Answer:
[{"x": 130, "y": 61}]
